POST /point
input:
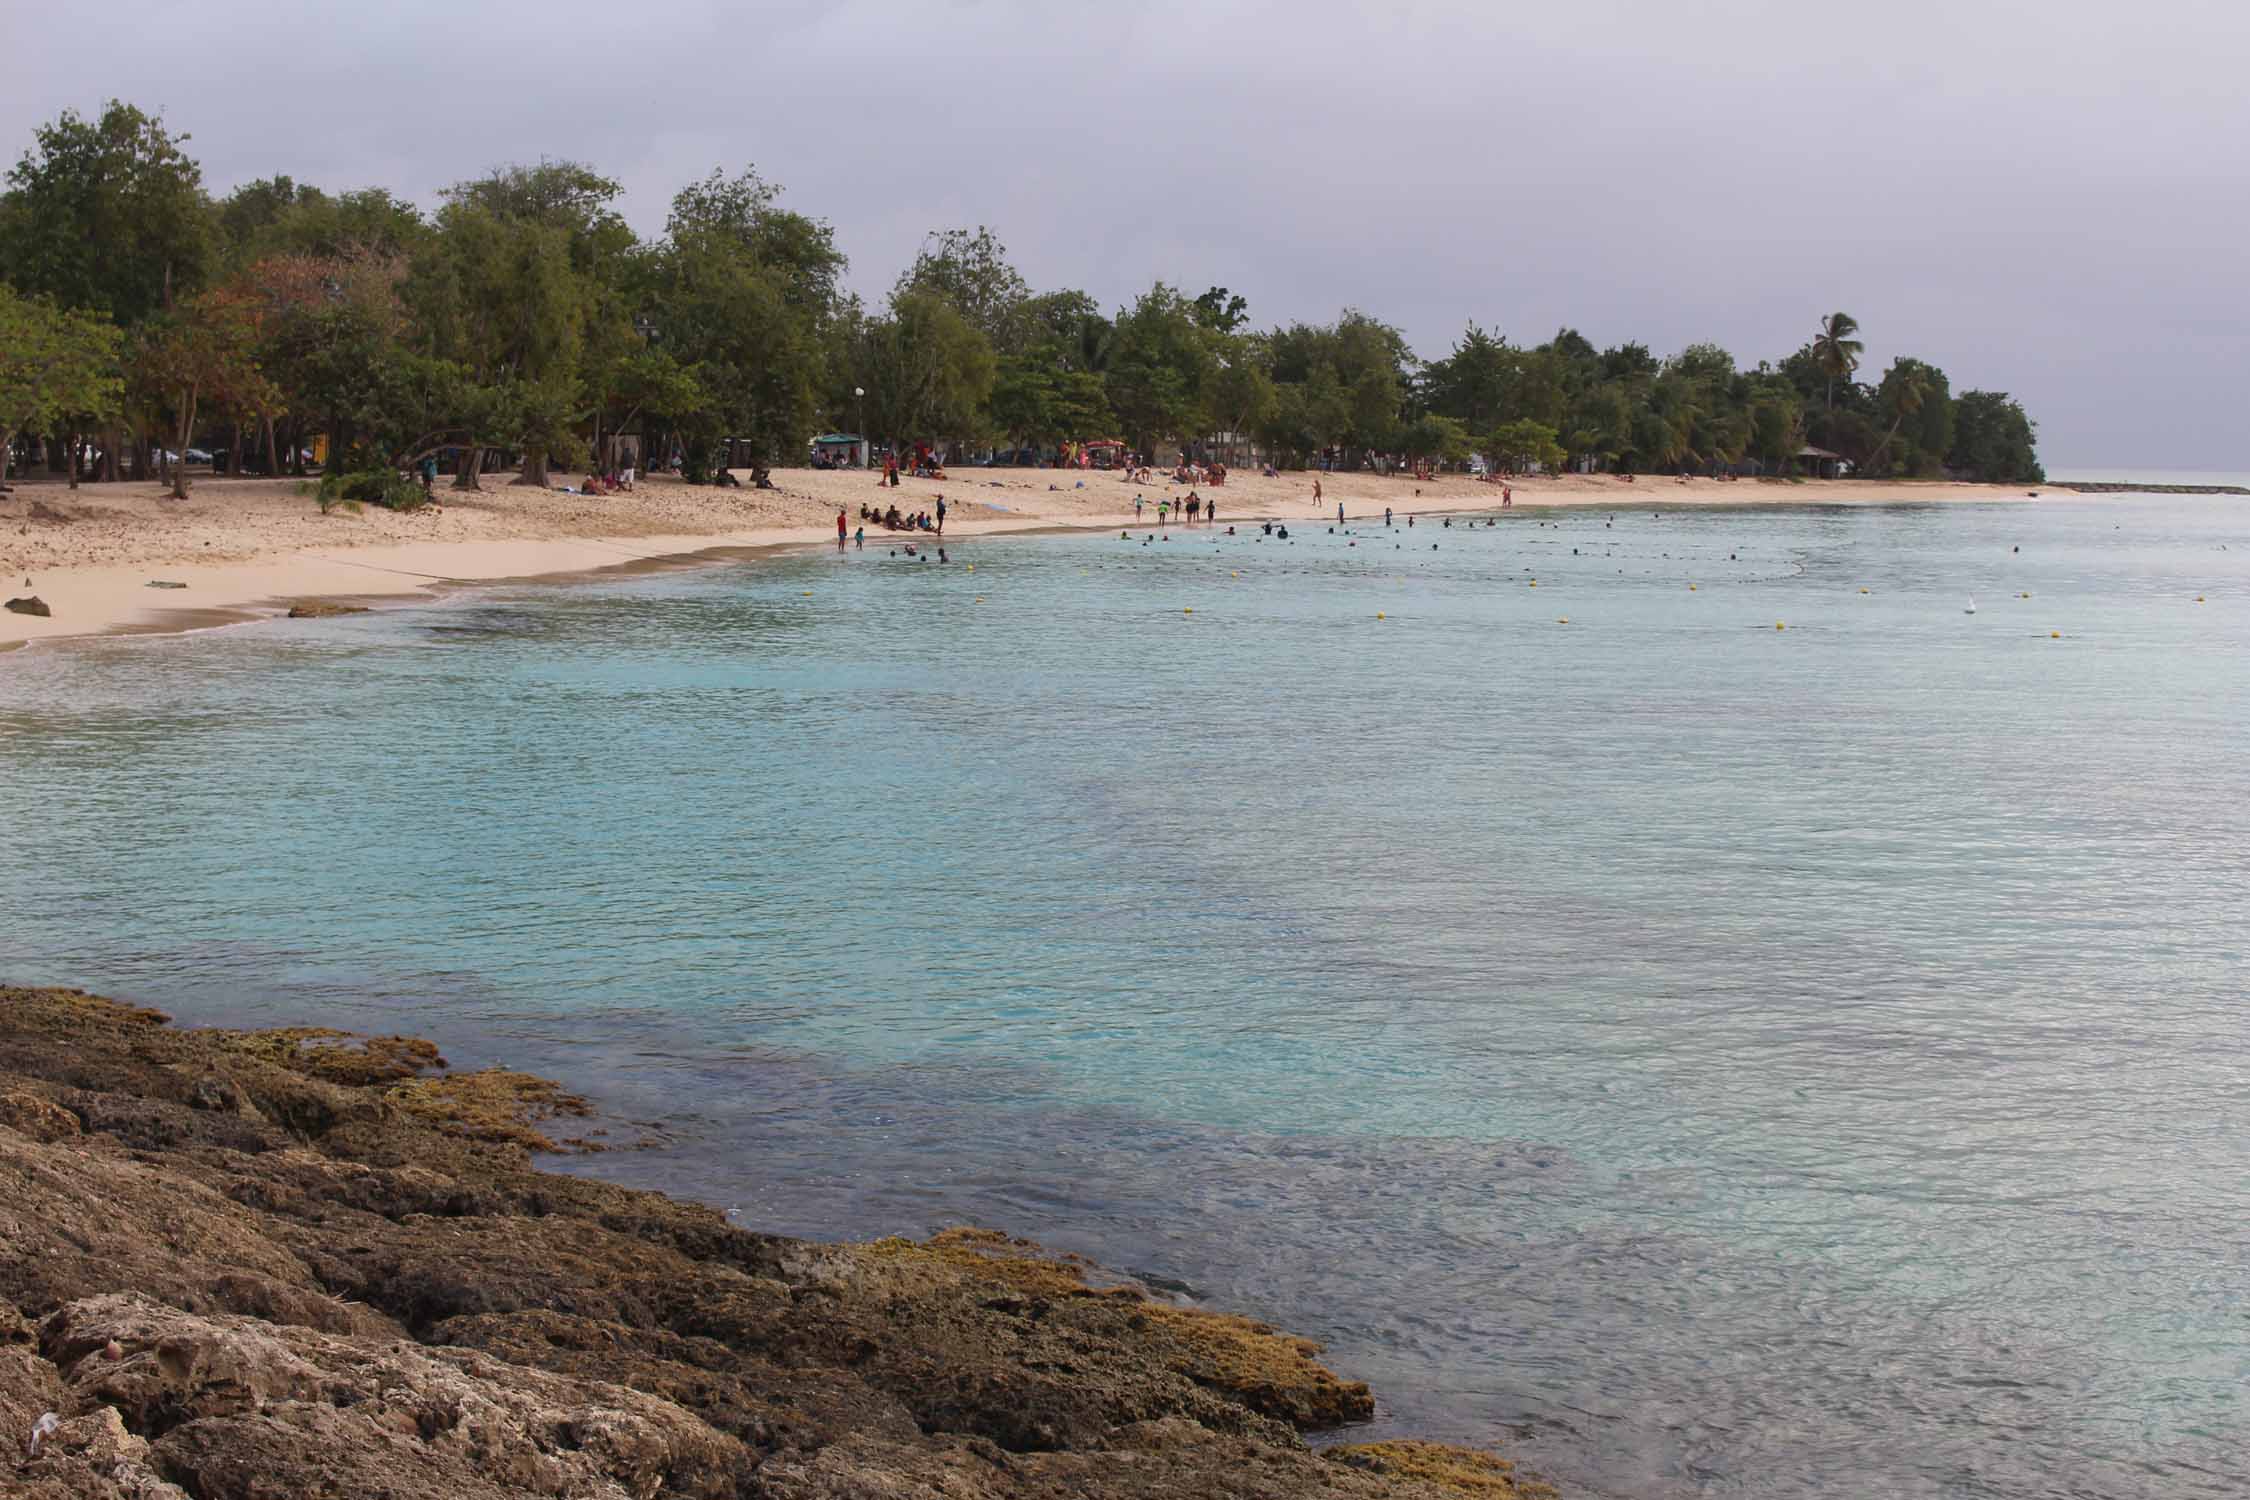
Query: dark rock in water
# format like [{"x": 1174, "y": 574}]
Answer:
[
  {"x": 162, "y": 583},
  {"x": 294, "y": 1263},
  {"x": 321, "y": 609},
  {"x": 30, "y": 604}
]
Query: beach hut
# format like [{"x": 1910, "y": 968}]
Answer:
[
  {"x": 1822, "y": 463},
  {"x": 839, "y": 450}
]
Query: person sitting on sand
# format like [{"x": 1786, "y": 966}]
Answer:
[{"x": 725, "y": 480}]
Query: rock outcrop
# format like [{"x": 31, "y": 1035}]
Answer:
[{"x": 237, "y": 1266}]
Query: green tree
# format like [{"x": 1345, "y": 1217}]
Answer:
[
  {"x": 107, "y": 214},
  {"x": 1918, "y": 401},
  {"x": 1160, "y": 370},
  {"x": 1221, "y": 311},
  {"x": 1433, "y": 436},
  {"x": 1474, "y": 383},
  {"x": 1836, "y": 350},
  {"x": 741, "y": 298},
  {"x": 927, "y": 370},
  {"x": 203, "y": 352},
  {"x": 969, "y": 270},
  {"x": 1994, "y": 441},
  {"x": 1776, "y": 429},
  {"x": 1243, "y": 398},
  {"x": 1523, "y": 444},
  {"x": 57, "y": 369}
]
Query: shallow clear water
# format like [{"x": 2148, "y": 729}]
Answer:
[{"x": 1718, "y": 1060}]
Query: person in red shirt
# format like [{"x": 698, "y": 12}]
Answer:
[{"x": 839, "y": 528}]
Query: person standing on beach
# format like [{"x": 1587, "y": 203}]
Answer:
[
  {"x": 1316, "y": 489},
  {"x": 1386, "y": 515},
  {"x": 839, "y": 528},
  {"x": 941, "y": 515},
  {"x": 1339, "y": 513},
  {"x": 1136, "y": 510}
]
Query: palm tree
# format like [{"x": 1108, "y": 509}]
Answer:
[
  {"x": 1836, "y": 349},
  {"x": 1913, "y": 390}
]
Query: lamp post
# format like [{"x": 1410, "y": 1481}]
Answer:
[{"x": 859, "y": 394}]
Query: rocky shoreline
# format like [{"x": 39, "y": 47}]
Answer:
[
  {"x": 2109, "y": 487},
  {"x": 255, "y": 1265}
]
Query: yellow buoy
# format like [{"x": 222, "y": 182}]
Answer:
[
  {"x": 972, "y": 567},
  {"x": 1779, "y": 626},
  {"x": 980, "y": 598},
  {"x": 1234, "y": 575},
  {"x": 1187, "y": 611},
  {"x": 1562, "y": 620},
  {"x": 1863, "y": 591},
  {"x": 2054, "y": 635},
  {"x": 2199, "y": 598},
  {"x": 1378, "y": 614},
  {"x": 1691, "y": 588}
]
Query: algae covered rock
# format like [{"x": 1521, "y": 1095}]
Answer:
[{"x": 298, "y": 1263}]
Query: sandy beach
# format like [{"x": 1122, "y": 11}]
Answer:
[{"x": 244, "y": 548}]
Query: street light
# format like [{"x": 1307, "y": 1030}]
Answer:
[{"x": 860, "y": 394}]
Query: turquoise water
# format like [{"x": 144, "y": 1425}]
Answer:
[{"x": 1717, "y": 1060}]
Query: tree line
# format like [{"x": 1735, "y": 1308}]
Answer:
[{"x": 523, "y": 320}]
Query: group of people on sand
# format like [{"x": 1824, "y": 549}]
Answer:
[
  {"x": 891, "y": 520},
  {"x": 924, "y": 468},
  {"x": 1194, "y": 506},
  {"x": 615, "y": 482},
  {"x": 1210, "y": 474}
]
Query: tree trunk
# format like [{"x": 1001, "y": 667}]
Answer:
[
  {"x": 534, "y": 468},
  {"x": 234, "y": 449},
  {"x": 273, "y": 454},
  {"x": 471, "y": 462},
  {"x": 62, "y": 455},
  {"x": 179, "y": 459}
]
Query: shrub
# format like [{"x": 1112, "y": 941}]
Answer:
[{"x": 384, "y": 487}]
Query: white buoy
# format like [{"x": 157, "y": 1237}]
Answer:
[{"x": 1972, "y": 609}]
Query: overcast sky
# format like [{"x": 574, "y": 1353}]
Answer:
[{"x": 2047, "y": 197}]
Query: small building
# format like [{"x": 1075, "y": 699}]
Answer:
[
  {"x": 1822, "y": 464},
  {"x": 839, "y": 450}
]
